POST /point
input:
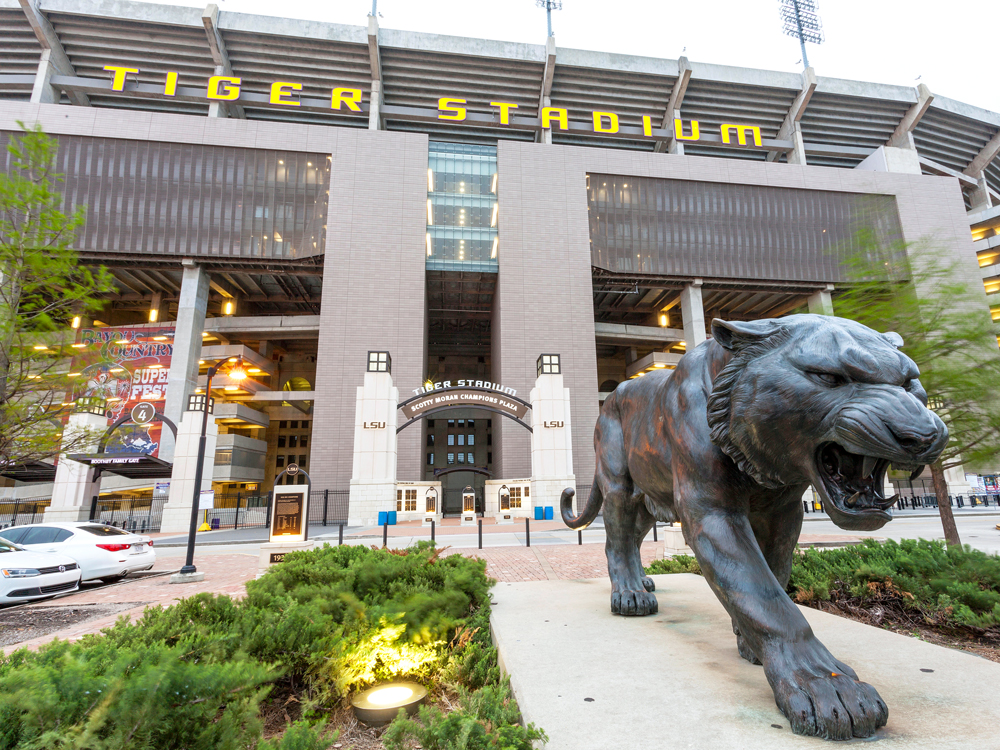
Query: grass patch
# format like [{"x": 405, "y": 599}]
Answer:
[{"x": 221, "y": 674}]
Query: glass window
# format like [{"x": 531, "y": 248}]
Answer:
[
  {"x": 305, "y": 424},
  {"x": 430, "y": 459},
  {"x": 451, "y": 440},
  {"x": 489, "y": 458},
  {"x": 489, "y": 438},
  {"x": 451, "y": 458},
  {"x": 461, "y": 458},
  {"x": 279, "y": 461},
  {"x": 461, "y": 439},
  {"x": 283, "y": 424},
  {"x": 411, "y": 500},
  {"x": 472, "y": 458},
  {"x": 301, "y": 479},
  {"x": 302, "y": 461},
  {"x": 63, "y": 534},
  {"x": 281, "y": 441},
  {"x": 101, "y": 530},
  {"x": 451, "y": 424},
  {"x": 461, "y": 423},
  {"x": 303, "y": 441},
  {"x": 430, "y": 423},
  {"x": 294, "y": 424},
  {"x": 40, "y": 535},
  {"x": 430, "y": 440},
  {"x": 470, "y": 439},
  {"x": 14, "y": 535},
  {"x": 293, "y": 441},
  {"x": 399, "y": 501},
  {"x": 472, "y": 424}
]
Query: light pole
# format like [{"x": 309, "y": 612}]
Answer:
[{"x": 236, "y": 373}]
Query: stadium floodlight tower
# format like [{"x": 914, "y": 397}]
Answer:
[
  {"x": 802, "y": 21},
  {"x": 549, "y": 5}
]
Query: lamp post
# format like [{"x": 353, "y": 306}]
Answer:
[{"x": 236, "y": 373}]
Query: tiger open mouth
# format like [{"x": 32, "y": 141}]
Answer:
[{"x": 854, "y": 482}]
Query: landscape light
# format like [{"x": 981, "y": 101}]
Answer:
[{"x": 379, "y": 705}]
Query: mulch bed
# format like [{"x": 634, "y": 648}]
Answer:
[
  {"x": 887, "y": 609},
  {"x": 19, "y": 624}
]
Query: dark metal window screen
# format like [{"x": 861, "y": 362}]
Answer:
[
  {"x": 653, "y": 226},
  {"x": 181, "y": 199}
]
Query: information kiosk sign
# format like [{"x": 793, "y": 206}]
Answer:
[{"x": 290, "y": 514}]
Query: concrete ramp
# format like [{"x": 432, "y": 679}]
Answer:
[{"x": 673, "y": 681}]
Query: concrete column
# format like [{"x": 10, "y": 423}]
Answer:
[
  {"x": 892, "y": 159},
  {"x": 551, "y": 442},
  {"x": 980, "y": 195},
  {"x": 821, "y": 302},
  {"x": 373, "y": 474},
  {"x": 219, "y": 109},
  {"x": 375, "y": 112},
  {"x": 693, "y": 315},
  {"x": 675, "y": 146},
  {"x": 798, "y": 154},
  {"x": 75, "y": 486},
  {"x": 43, "y": 92},
  {"x": 183, "y": 378},
  {"x": 177, "y": 511},
  {"x": 546, "y": 133}
]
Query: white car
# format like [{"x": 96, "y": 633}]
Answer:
[
  {"x": 25, "y": 576},
  {"x": 102, "y": 551}
]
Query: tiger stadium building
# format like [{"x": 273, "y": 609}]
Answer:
[{"x": 372, "y": 216}]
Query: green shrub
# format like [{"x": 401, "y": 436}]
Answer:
[
  {"x": 488, "y": 719},
  {"x": 675, "y": 564},
  {"x": 101, "y": 696},
  {"x": 192, "y": 675},
  {"x": 957, "y": 586},
  {"x": 962, "y": 585},
  {"x": 302, "y": 735}
]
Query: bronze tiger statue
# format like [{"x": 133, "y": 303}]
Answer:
[{"x": 727, "y": 444}]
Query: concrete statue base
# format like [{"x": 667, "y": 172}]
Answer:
[
  {"x": 673, "y": 541},
  {"x": 675, "y": 679},
  {"x": 187, "y": 577}
]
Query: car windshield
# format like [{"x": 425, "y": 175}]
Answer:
[
  {"x": 104, "y": 530},
  {"x": 6, "y": 546}
]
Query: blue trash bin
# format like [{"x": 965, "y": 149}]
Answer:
[
  {"x": 382, "y": 517},
  {"x": 539, "y": 513},
  {"x": 548, "y": 512},
  {"x": 392, "y": 518},
  {"x": 215, "y": 524}
]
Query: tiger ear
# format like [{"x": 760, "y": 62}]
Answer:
[
  {"x": 734, "y": 335},
  {"x": 893, "y": 338}
]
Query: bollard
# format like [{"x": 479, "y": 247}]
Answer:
[
  {"x": 432, "y": 529},
  {"x": 385, "y": 534},
  {"x": 480, "y": 533},
  {"x": 654, "y": 532},
  {"x": 326, "y": 498},
  {"x": 340, "y": 534},
  {"x": 527, "y": 532},
  {"x": 579, "y": 536}
]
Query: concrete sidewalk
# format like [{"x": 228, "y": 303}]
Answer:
[{"x": 593, "y": 680}]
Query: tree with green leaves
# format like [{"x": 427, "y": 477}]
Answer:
[
  {"x": 43, "y": 286},
  {"x": 924, "y": 294}
]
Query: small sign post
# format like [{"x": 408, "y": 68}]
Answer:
[{"x": 289, "y": 530}]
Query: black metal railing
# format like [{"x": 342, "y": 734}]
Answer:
[{"x": 18, "y": 512}]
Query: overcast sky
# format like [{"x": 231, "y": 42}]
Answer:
[{"x": 947, "y": 45}]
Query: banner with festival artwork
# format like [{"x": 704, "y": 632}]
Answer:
[{"x": 125, "y": 366}]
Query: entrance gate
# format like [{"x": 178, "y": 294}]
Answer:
[{"x": 374, "y": 482}]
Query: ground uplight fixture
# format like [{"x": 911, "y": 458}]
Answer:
[{"x": 379, "y": 705}]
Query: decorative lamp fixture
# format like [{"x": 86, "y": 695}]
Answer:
[
  {"x": 228, "y": 307},
  {"x": 379, "y": 362},
  {"x": 76, "y": 321},
  {"x": 379, "y": 705},
  {"x": 664, "y": 320},
  {"x": 90, "y": 405},
  {"x": 549, "y": 364}
]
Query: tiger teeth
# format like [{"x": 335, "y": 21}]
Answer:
[{"x": 868, "y": 466}]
